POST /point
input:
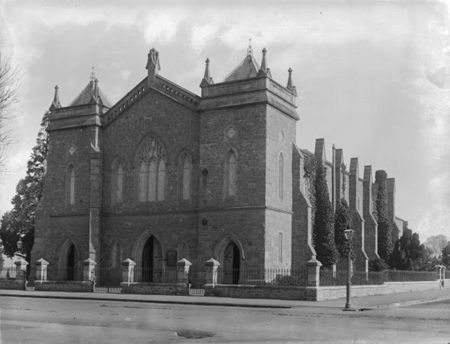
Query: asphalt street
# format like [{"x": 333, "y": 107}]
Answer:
[{"x": 32, "y": 320}]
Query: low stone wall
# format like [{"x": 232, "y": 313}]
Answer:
[
  {"x": 71, "y": 286},
  {"x": 255, "y": 291},
  {"x": 328, "y": 293},
  {"x": 315, "y": 293},
  {"x": 12, "y": 284},
  {"x": 155, "y": 288}
]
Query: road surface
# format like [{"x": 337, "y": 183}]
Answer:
[{"x": 32, "y": 320}]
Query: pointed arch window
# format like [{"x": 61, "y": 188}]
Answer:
[
  {"x": 281, "y": 175},
  {"x": 186, "y": 177},
  {"x": 151, "y": 158},
  {"x": 231, "y": 174},
  {"x": 143, "y": 176},
  {"x": 71, "y": 185},
  {"x": 152, "y": 175},
  {"x": 117, "y": 182},
  {"x": 116, "y": 255},
  {"x": 161, "y": 180}
]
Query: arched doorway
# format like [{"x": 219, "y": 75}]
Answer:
[
  {"x": 151, "y": 261},
  {"x": 70, "y": 268},
  {"x": 231, "y": 264}
]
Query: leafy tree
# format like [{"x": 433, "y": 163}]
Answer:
[
  {"x": 446, "y": 255},
  {"x": 410, "y": 254},
  {"x": 7, "y": 98},
  {"x": 20, "y": 221},
  {"x": 384, "y": 224},
  {"x": 436, "y": 243},
  {"x": 323, "y": 221},
  {"x": 342, "y": 221}
]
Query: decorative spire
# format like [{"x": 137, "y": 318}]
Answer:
[
  {"x": 290, "y": 85},
  {"x": 207, "y": 79},
  {"x": 152, "y": 66},
  {"x": 249, "y": 49},
  {"x": 93, "y": 78},
  {"x": 56, "y": 104},
  {"x": 263, "y": 69}
]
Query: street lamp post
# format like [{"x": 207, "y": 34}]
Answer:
[{"x": 348, "y": 236}]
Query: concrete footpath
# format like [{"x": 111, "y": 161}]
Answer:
[{"x": 368, "y": 302}]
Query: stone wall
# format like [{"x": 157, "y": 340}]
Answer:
[
  {"x": 328, "y": 293},
  {"x": 12, "y": 284},
  {"x": 315, "y": 293},
  {"x": 256, "y": 292},
  {"x": 155, "y": 288},
  {"x": 69, "y": 286}
]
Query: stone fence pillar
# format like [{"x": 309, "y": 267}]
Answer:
[
  {"x": 89, "y": 270},
  {"x": 211, "y": 267},
  {"x": 41, "y": 270},
  {"x": 313, "y": 272},
  {"x": 128, "y": 271},
  {"x": 183, "y": 266}
]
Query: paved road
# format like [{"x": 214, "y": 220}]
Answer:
[{"x": 28, "y": 320}]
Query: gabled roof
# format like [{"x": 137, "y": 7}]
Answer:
[
  {"x": 247, "y": 69},
  {"x": 91, "y": 94}
]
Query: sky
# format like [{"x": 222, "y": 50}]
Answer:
[{"x": 373, "y": 77}]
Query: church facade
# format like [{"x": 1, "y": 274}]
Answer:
[{"x": 166, "y": 174}]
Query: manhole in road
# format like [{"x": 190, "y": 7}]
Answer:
[{"x": 193, "y": 334}]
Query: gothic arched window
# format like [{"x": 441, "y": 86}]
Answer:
[
  {"x": 281, "y": 176},
  {"x": 231, "y": 174},
  {"x": 142, "y": 187},
  {"x": 186, "y": 176},
  {"x": 151, "y": 159},
  {"x": 161, "y": 180},
  {"x": 152, "y": 175},
  {"x": 71, "y": 185},
  {"x": 117, "y": 182}
]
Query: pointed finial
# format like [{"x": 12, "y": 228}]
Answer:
[
  {"x": 290, "y": 85},
  {"x": 207, "y": 80},
  {"x": 93, "y": 73},
  {"x": 263, "y": 62},
  {"x": 152, "y": 66},
  {"x": 263, "y": 69},
  {"x": 56, "y": 104},
  {"x": 206, "y": 75},
  {"x": 249, "y": 49}
]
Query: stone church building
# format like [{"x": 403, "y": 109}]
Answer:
[{"x": 166, "y": 174}]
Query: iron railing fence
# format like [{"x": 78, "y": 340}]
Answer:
[
  {"x": 405, "y": 276},
  {"x": 338, "y": 278},
  {"x": 259, "y": 276},
  {"x": 330, "y": 278},
  {"x": 111, "y": 277}
]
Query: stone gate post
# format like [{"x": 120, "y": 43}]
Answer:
[
  {"x": 183, "y": 266},
  {"x": 89, "y": 270},
  {"x": 211, "y": 267},
  {"x": 313, "y": 272},
  {"x": 41, "y": 270},
  {"x": 128, "y": 271}
]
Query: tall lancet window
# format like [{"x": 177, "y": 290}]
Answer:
[
  {"x": 117, "y": 183},
  {"x": 151, "y": 157},
  {"x": 231, "y": 174},
  {"x": 161, "y": 180},
  {"x": 71, "y": 185},
  {"x": 152, "y": 175},
  {"x": 186, "y": 177},
  {"x": 281, "y": 176},
  {"x": 143, "y": 176}
]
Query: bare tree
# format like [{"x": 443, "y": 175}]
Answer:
[{"x": 7, "y": 98}]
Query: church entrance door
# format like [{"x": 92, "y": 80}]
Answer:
[
  {"x": 151, "y": 261},
  {"x": 231, "y": 264},
  {"x": 70, "y": 269}
]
